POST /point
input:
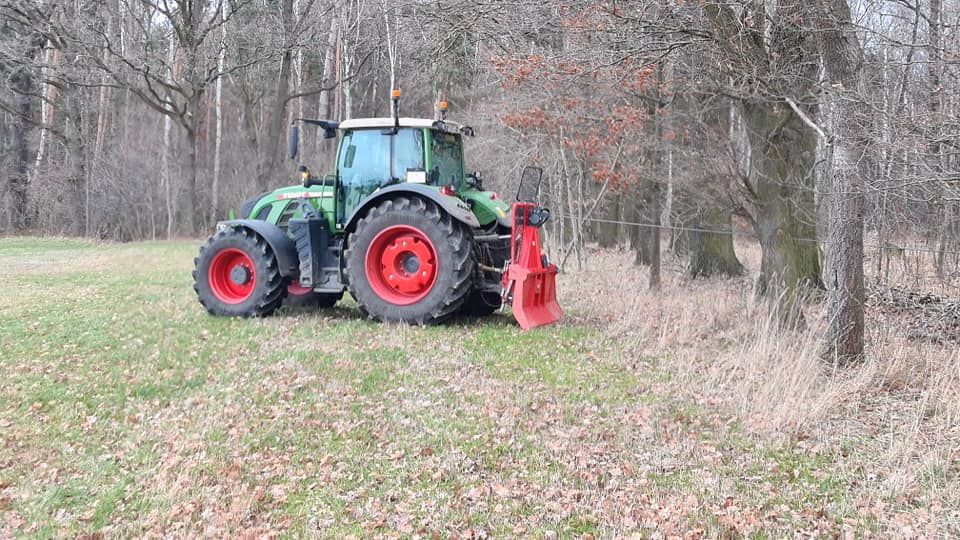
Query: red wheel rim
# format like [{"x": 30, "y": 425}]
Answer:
[
  {"x": 232, "y": 276},
  {"x": 401, "y": 265}
]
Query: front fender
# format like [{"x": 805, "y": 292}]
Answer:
[
  {"x": 283, "y": 247},
  {"x": 452, "y": 205}
]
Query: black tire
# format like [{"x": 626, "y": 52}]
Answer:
[
  {"x": 450, "y": 242},
  {"x": 267, "y": 289},
  {"x": 312, "y": 299},
  {"x": 481, "y": 303}
]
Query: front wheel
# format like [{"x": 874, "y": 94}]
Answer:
[
  {"x": 409, "y": 261},
  {"x": 236, "y": 275}
]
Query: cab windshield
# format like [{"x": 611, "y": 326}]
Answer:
[
  {"x": 447, "y": 159},
  {"x": 371, "y": 156}
]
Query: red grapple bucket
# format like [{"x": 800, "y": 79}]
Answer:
[{"x": 530, "y": 284}]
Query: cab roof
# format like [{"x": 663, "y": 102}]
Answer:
[
  {"x": 440, "y": 125},
  {"x": 355, "y": 123}
]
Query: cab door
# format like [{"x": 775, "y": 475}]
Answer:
[{"x": 371, "y": 158}]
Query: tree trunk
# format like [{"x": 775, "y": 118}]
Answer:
[
  {"x": 218, "y": 118},
  {"x": 843, "y": 63},
  {"x": 190, "y": 198},
  {"x": 48, "y": 99},
  {"x": 77, "y": 175},
  {"x": 783, "y": 157},
  {"x": 654, "y": 282},
  {"x": 712, "y": 253},
  {"x": 22, "y": 85},
  {"x": 640, "y": 235},
  {"x": 609, "y": 229}
]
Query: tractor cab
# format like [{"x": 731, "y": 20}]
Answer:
[{"x": 377, "y": 153}]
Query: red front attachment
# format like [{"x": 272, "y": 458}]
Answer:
[{"x": 530, "y": 284}]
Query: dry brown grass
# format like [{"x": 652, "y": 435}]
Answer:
[{"x": 895, "y": 418}]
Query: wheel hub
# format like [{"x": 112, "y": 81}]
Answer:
[
  {"x": 240, "y": 275},
  {"x": 410, "y": 264}
]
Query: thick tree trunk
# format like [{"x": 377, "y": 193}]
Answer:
[
  {"x": 641, "y": 236},
  {"x": 783, "y": 158},
  {"x": 712, "y": 253},
  {"x": 22, "y": 84},
  {"x": 843, "y": 63},
  {"x": 608, "y": 230},
  {"x": 77, "y": 175}
]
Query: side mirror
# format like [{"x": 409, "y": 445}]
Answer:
[
  {"x": 529, "y": 190},
  {"x": 294, "y": 141}
]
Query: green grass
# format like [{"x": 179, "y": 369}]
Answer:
[{"x": 126, "y": 409}]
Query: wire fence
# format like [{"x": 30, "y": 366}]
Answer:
[{"x": 733, "y": 232}]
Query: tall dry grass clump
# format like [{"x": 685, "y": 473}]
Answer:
[{"x": 903, "y": 400}]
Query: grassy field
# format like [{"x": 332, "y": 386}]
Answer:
[{"x": 125, "y": 410}]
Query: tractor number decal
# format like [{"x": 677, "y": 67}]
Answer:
[{"x": 302, "y": 195}]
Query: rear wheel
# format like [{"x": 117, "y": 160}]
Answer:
[
  {"x": 409, "y": 261},
  {"x": 236, "y": 274}
]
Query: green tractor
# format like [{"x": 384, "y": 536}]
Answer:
[{"x": 398, "y": 223}]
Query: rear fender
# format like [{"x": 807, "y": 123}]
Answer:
[
  {"x": 452, "y": 205},
  {"x": 281, "y": 244}
]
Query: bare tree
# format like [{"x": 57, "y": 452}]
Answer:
[
  {"x": 19, "y": 59},
  {"x": 843, "y": 62}
]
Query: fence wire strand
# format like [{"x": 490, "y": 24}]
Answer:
[{"x": 732, "y": 232}]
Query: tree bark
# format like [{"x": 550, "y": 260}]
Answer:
[
  {"x": 654, "y": 281},
  {"x": 608, "y": 230},
  {"x": 77, "y": 175},
  {"x": 843, "y": 62},
  {"x": 165, "y": 170},
  {"x": 783, "y": 158},
  {"x": 22, "y": 85},
  {"x": 712, "y": 253},
  {"x": 641, "y": 236},
  {"x": 218, "y": 117}
]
